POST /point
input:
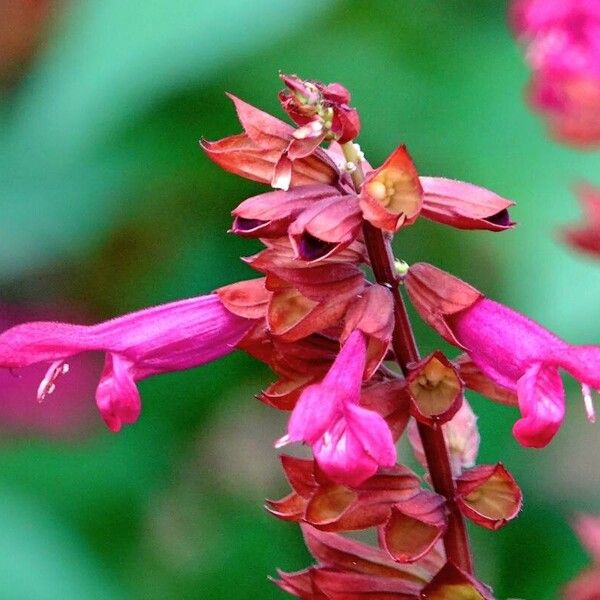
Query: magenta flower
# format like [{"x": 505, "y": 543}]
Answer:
[
  {"x": 521, "y": 355},
  {"x": 349, "y": 442},
  {"x": 170, "y": 337},
  {"x": 563, "y": 49}
]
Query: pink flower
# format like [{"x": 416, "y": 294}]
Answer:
[
  {"x": 521, "y": 355},
  {"x": 170, "y": 337},
  {"x": 349, "y": 442},
  {"x": 513, "y": 351},
  {"x": 563, "y": 48}
]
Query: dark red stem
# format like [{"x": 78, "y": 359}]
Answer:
[{"x": 456, "y": 542}]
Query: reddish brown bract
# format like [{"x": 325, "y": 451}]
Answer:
[{"x": 391, "y": 195}]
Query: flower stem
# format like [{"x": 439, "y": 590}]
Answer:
[{"x": 381, "y": 257}]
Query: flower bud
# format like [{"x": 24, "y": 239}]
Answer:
[
  {"x": 325, "y": 227},
  {"x": 464, "y": 205},
  {"x": 269, "y": 215},
  {"x": 322, "y": 111}
]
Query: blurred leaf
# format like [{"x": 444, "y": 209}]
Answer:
[
  {"x": 110, "y": 63},
  {"x": 42, "y": 560}
]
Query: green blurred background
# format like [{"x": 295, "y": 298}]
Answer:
[{"x": 108, "y": 206}]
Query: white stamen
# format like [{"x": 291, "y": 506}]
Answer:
[
  {"x": 349, "y": 167},
  {"x": 359, "y": 152},
  {"x": 589, "y": 403},
  {"x": 48, "y": 384},
  {"x": 310, "y": 130},
  {"x": 282, "y": 441}
]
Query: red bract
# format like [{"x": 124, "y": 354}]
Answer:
[
  {"x": 489, "y": 495},
  {"x": 453, "y": 584},
  {"x": 310, "y": 300},
  {"x": 464, "y": 205},
  {"x": 563, "y": 49},
  {"x": 329, "y": 506},
  {"x": 435, "y": 389},
  {"x": 260, "y": 153},
  {"x": 585, "y": 236},
  {"x": 372, "y": 313},
  {"x": 414, "y": 527},
  {"x": 437, "y": 295},
  {"x": 325, "y": 228},
  {"x": 349, "y": 570},
  {"x": 391, "y": 195},
  {"x": 269, "y": 215}
]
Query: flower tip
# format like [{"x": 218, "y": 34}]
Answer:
[
  {"x": 112, "y": 420},
  {"x": 529, "y": 439}
]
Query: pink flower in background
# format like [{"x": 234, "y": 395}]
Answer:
[
  {"x": 585, "y": 236},
  {"x": 349, "y": 442},
  {"x": 563, "y": 49},
  {"x": 170, "y": 337},
  {"x": 586, "y": 586}
]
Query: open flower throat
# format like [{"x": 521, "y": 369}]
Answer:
[{"x": 342, "y": 350}]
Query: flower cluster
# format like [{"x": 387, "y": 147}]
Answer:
[
  {"x": 331, "y": 334},
  {"x": 563, "y": 49}
]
